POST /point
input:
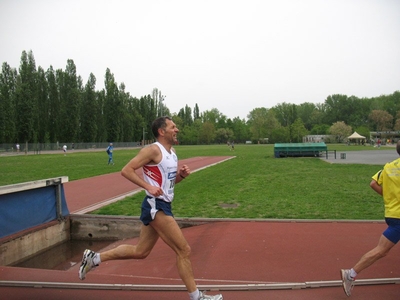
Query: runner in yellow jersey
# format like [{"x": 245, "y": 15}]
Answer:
[{"x": 386, "y": 182}]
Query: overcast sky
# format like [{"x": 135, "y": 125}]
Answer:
[{"x": 226, "y": 54}]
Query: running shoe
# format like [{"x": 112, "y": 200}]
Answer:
[
  {"x": 347, "y": 281},
  {"x": 206, "y": 297},
  {"x": 87, "y": 263}
]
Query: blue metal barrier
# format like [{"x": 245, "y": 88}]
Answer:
[{"x": 29, "y": 204}]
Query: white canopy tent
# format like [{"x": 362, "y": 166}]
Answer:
[{"x": 356, "y": 136}]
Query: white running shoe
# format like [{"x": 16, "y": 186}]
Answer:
[
  {"x": 206, "y": 297},
  {"x": 87, "y": 263},
  {"x": 347, "y": 280}
]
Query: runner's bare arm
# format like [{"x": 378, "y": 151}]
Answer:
[
  {"x": 376, "y": 187},
  {"x": 148, "y": 155}
]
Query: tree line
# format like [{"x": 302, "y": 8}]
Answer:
[{"x": 49, "y": 106}]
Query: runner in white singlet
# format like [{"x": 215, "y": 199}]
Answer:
[
  {"x": 160, "y": 174},
  {"x": 163, "y": 174}
]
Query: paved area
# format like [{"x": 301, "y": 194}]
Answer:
[
  {"x": 244, "y": 259},
  {"x": 370, "y": 157}
]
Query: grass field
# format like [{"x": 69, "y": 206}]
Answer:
[{"x": 253, "y": 185}]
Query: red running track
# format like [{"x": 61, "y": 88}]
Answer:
[
  {"x": 229, "y": 253},
  {"x": 84, "y": 193}
]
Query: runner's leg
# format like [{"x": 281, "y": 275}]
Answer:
[
  {"x": 147, "y": 239},
  {"x": 383, "y": 247},
  {"x": 172, "y": 235}
]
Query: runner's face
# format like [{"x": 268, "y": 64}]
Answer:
[{"x": 171, "y": 131}]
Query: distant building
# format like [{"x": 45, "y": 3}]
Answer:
[
  {"x": 386, "y": 137},
  {"x": 318, "y": 138}
]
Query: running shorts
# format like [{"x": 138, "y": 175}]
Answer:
[
  {"x": 392, "y": 233},
  {"x": 150, "y": 206}
]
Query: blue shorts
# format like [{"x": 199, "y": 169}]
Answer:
[
  {"x": 150, "y": 206},
  {"x": 392, "y": 233}
]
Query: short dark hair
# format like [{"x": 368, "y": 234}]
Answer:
[
  {"x": 158, "y": 123},
  {"x": 398, "y": 147}
]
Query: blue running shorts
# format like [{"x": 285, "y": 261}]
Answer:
[
  {"x": 150, "y": 206},
  {"x": 392, "y": 233}
]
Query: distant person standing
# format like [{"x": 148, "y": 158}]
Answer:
[
  {"x": 233, "y": 146},
  {"x": 110, "y": 154},
  {"x": 65, "y": 149},
  {"x": 386, "y": 183},
  {"x": 17, "y": 147}
]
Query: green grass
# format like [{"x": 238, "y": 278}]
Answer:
[
  {"x": 258, "y": 185},
  {"x": 75, "y": 165},
  {"x": 252, "y": 185}
]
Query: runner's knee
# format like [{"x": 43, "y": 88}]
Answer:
[
  {"x": 382, "y": 252},
  {"x": 377, "y": 253},
  {"x": 142, "y": 254},
  {"x": 185, "y": 251}
]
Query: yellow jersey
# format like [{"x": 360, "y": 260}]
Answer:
[{"x": 389, "y": 179}]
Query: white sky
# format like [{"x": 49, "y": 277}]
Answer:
[{"x": 226, "y": 54}]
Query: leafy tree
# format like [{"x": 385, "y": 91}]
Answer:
[
  {"x": 241, "y": 132},
  {"x": 280, "y": 134},
  {"x": 397, "y": 122},
  {"x": 337, "y": 108},
  {"x": 54, "y": 121},
  {"x": 112, "y": 108},
  {"x": 89, "y": 112},
  {"x": 359, "y": 108},
  {"x": 38, "y": 106},
  {"x": 320, "y": 129},
  {"x": 136, "y": 119},
  {"x": 146, "y": 107},
  {"x": 157, "y": 97},
  {"x": 221, "y": 122},
  {"x": 364, "y": 131},
  {"x": 340, "y": 130},
  {"x": 397, "y": 125},
  {"x": 213, "y": 116},
  {"x": 127, "y": 133},
  {"x": 101, "y": 135},
  {"x": 317, "y": 116},
  {"x": 391, "y": 103},
  {"x": 196, "y": 112},
  {"x": 381, "y": 119},
  {"x": 69, "y": 102},
  {"x": 189, "y": 135},
  {"x": 43, "y": 107},
  {"x": 207, "y": 133},
  {"x": 263, "y": 124},
  {"x": 223, "y": 134},
  {"x": 305, "y": 112},
  {"x": 298, "y": 131},
  {"x": 285, "y": 113},
  {"x": 271, "y": 123},
  {"x": 26, "y": 98},
  {"x": 8, "y": 114},
  {"x": 186, "y": 115}
]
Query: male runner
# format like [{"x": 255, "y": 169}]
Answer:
[
  {"x": 160, "y": 174},
  {"x": 386, "y": 183}
]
